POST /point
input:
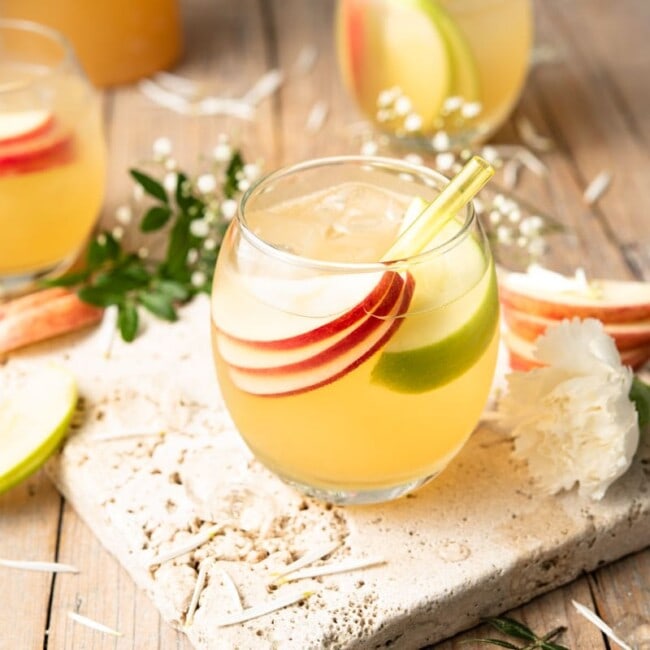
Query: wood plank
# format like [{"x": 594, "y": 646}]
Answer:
[
  {"x": 587, "y": 115},
  {"x": 104, "y": 592},
  {"x": 29, "y": 518}
]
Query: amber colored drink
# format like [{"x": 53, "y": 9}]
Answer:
[
  {"x": 117, "y": 41},
  {"x": 355, "y": 378},
  {"x": 52, "y": 157}
]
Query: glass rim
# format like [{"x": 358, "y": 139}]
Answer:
[
  {"x": 68, "y": 57},
  {"x": 396, "y": 164}
]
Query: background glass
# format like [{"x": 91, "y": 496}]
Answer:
[
  {"x": 440, "y": 73},
  {"x": 52, "y": 155},
  {"x": 117, "y": 41}
]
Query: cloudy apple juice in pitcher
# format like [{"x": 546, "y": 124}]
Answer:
[{"x": 352, "y": 374}]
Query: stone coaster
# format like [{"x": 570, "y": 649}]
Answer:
[{"x": 153, "y": 460}]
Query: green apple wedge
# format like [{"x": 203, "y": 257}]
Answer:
[
  {"x": 34, "y": 418},
  {"x": 442, "y": 335},
  {"x": 451, "y": 73}
]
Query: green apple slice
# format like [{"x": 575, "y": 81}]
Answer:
[
  {"x": 34, "y": 418},
  {"x": 415, "y": 58},
  {"x": 459, "y": 68},
  {"x": 448, "y": 343}
]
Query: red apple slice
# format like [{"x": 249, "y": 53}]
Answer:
[
  {"x": 529, "y": 326},
  {"x": 43, "y": 315},
  {"x": 53, "y": 145},
  {"x": 335, "y": 361},
  {"x": 19, "y": 125},
  {"x": 322, "y": 333},
  {"x": 521, "y": 353},
  {"x": 613, "y": 301}
]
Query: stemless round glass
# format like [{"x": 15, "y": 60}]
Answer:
[
  {"x": 441, "y": 74},
  {"x": 353, "y": 377},
  {"x": 52, "y": 155}
]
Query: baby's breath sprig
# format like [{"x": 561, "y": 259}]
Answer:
[{"x": 193, "y": 215}]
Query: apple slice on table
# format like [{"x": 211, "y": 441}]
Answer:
[
  {"x": 34, "y": 418},
  {"x": 610, "y": 301},
  {"x": 522, "y": 353},
  {"x": 32, "y": 141},
  {"x": 42, "y": 315},
  {"x": 627, "y": 335}
]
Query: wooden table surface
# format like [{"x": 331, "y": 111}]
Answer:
[{"x": 590, "y": 94}]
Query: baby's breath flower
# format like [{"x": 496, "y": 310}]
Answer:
[
  {"x": 228, "y": 208},
  {"x": 573, "y": 420},
  {"x": 369, "y": 148},
  {"x": 198, "y": 279},
  {"x": 209, "y": 244},
  {"x": 118, "y": 232},
  {"x": 222, "y": 152},
  {"x": 206, "y": 183},
  {"x": 441, "y": 141},
  {"x": 192, "y": 256},
  {"x": 199, "y": 227},
  {"x": 162, "y": 148},
  {"x": 169, "y": 181},
  {"x": 138, "y": 193},
  {"x": 471, "y": 110},
  {"x": 243, "y": 184},
  {"x": 123, "y": 215},
  {"x": 412, "y": 122},
  {"x": 251, "y": 171}
]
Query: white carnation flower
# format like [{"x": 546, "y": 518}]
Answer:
[{"x": 572, "y": 420}]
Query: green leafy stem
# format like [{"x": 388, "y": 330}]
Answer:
[{"x": 129, "y": 280}]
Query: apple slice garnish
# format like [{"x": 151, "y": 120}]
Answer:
[
  {"x": 522, "y": 353},
  {"x": 610, "y": 301},
  {"x": 626, "y": 335},
  {"x": 20, "y": 125},
  {"x": 343, "y": 355},
  {"x": 34, "y": 417},
  {"x": 333, "y": 346},
  {"x": 47, "y": 146}
]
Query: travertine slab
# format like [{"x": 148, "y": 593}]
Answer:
[{"x": 154, "y": 459}]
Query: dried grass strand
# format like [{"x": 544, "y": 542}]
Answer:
[{"x": 600, "y": 624}]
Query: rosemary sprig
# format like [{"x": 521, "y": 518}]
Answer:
[
  {"x": 192, "y": 215},
  {"x": 516, "y": 630}
]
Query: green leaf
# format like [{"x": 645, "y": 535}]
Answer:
[
  {"x": 640, "y": 395},
  {"x": 497, "y": 642},
  {"x": 234, "y": 167},
  {"x": 100, "y": 296},
  {"x": 118, "y": 280},
  {"x": 150, "y": 185},
  {"x": 549, "y": 645},
  {"x": 180, "y": 242},
  {"x": 102, "y": 249},
  {"x": 68, "y": 280},
  {"x": 158, "y": 304},
  {"x": 172, "y": 289},
  {"x": 127, "y": 321},
  {"x": 155, "y": 218},
  {"x": 512, "y": 628}
]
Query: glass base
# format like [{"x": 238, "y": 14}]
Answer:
[
  {"x": 361, "y": 496},
  {"x": 12, "y": 286}
]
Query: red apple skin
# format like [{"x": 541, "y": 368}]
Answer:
[
  {"x": 520, "y": 354},
  {"x": 41, "y": 129},
  {"x": 607, "y": 312},
  {"x": 399, "y": 305},
  {"x": 326, "y": 330},
  {"x": 628, "y": 335},
  {"x": 53, "y": 147}
]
